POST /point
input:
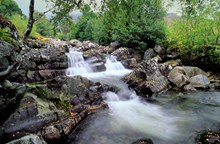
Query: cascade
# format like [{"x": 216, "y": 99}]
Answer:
[
  {"x": 76, "y": 63},
  {"x": 125, "y": 107},
  {"x": 176, "y": 118}
]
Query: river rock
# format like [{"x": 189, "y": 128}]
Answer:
[
  {"x": 199, "y": 81},
  {"x": 114, "y": 44},
  {"x": 41, "y": 64},
  {"x": 143, "y": 141},
  {"x": 32, "y": 114},
  {"x": 147, "y": 78},
  {"x": 193, "y": 71},
  {"x": 158, "y": 49},
  {"x": 189, "y": 87},
  {"x": 29, "y": 139},
  {"x": 75, "y": 43},
  {"x": 178, "y": 76},
  {"x": 130, "y": 63},
  {"x": 86, "y": 45},
  {"x": 148, "y": 54},
  {"x": 181, "y": 76}
]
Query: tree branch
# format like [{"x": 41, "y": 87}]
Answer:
[{"x": 42, "y": 14}]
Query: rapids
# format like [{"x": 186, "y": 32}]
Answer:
[{"x": 175, "y": 118}]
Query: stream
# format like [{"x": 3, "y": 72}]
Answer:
[{"x": 174, "y": 117}]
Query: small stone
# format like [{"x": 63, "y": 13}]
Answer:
[{"x": 7, "y": 84}]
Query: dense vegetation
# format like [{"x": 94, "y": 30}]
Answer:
[{"x": 137, "y": 24}]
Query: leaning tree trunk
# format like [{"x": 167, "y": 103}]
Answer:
[{"x": 30, "y": 20}]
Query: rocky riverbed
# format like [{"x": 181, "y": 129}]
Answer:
[{"x": 40, "y": 103}]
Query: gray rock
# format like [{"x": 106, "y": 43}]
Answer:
[
  {"x": 51, "y": 133},
  {"x": 75, "y": 43},
  {"x": 33, "y": 113},
  {"x": 29, "y": 139},
  {"x": 189, "y": 87},
  {"x": 178, "y": 77},
  {"x": 181, "y": 76},
  {"x": 147, "y": 79},
  {"x": 149, "y": 54},
  {"x": 7, "y": 84},
  {"x": 8, "y": 55},
  {"x": 130, "y": 63},
  {"x": 115, "y": 44},
  {"x": 199, "y": 81},
  {"x": 158, "y": 49},
  {"x": 193, "y": 71}
]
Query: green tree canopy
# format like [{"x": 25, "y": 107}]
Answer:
[
  {"x": 9, "y": 7},
  {"x": 136, "y": 23}
]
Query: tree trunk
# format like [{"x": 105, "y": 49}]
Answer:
[{"x": 30, "y": 20}]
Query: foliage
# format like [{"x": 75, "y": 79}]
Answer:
[
  {"x": 84, "y": 24},
  {"x": 9, "y": 7},
  {"x": 4, "y": 35},
  {"x": 21, "y": 22},
  {"x": 197, "y": 33},
  {"x": 45, "y": 27},
  {"x": 137, "y": 23}
]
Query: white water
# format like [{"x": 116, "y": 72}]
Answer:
[
  {"x": 76, "y": 64},
  {"x": 126, "y": 109}
]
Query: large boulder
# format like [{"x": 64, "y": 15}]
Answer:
[
  {"x": 182, "y": 76},
  {"x": 32, "y": 114},
  {"x": 199, "y": 81},
  {"x": 147, "y": 78}
]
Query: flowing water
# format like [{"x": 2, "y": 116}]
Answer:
[{"x": 175, "y": 119}]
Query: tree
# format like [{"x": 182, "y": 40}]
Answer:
[
  {"x": 84, "y": 24},
  {"x": 61, "y": 9},
  {"x": 196, "y": 35},
  {"x": 9, "y": 7},
  {"x": 136, "y": 23}
]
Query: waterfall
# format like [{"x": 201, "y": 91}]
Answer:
[
  {"x": 125, "y": 106},
  {"x": 76, "y": 64},
  {"x": 113, "y": 64}
]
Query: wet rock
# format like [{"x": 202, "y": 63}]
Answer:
[
  {"x": 130, "y": 63},
  {"x": 97, "y": 64},
  {"x": 149, "y": 54},
  {"x": 124, "y": 53},
  {"x": 143, "y": 141},
  {"x": 208, "y": 137},
  {"x": 147, "y": 79},
  {"x": 29, "y": 139},
  {"x": 199, "y": 81}
]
